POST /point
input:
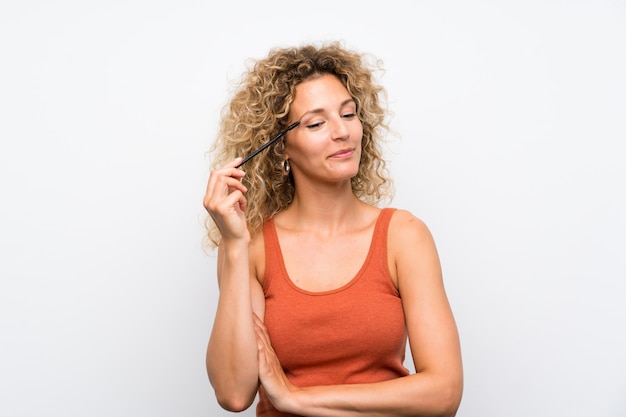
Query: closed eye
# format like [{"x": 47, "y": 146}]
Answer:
[
  {"x": 349, "y": 116},
  {"x": 315, "y": 125}
]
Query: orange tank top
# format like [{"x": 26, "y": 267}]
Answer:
[{"x": 353, "y": 334}]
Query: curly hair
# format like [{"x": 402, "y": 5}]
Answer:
[{"x": 259, "y": 110}]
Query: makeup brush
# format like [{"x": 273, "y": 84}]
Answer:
[{"x": 274, "y": 139}]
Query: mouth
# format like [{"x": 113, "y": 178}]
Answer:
[{"x": 343, "y": 153}]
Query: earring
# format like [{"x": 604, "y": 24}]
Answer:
[{"x": 286, "y": 166}]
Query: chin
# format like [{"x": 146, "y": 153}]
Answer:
[{"x": 348, "y": 174}]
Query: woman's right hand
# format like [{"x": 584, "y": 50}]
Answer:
[{"x": 225, "y": 200}]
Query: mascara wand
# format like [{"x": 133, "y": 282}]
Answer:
[{"x": 280, "y": 135}]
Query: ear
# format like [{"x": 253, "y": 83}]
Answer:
[{"x": 283, "y": 148}]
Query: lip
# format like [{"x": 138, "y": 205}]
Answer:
[{"x": 343, "y": 153}]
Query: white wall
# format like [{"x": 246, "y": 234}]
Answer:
[{"x": 511, "y": 118}]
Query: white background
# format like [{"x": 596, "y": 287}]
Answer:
[{"x": 511, "y": 119}]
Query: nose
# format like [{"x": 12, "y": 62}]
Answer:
[{"x": 339, "y": 128}]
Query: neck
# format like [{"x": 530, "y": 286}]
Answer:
[{"x": 324, "y": 211}]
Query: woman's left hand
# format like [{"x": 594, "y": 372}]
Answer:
[{"x": 277, "y": 387}]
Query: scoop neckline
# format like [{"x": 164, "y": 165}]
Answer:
[{"x": 342, "y": 287}]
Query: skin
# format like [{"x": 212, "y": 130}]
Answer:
[{"x": 326, "y": 219}]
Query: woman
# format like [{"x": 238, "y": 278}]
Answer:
[{"x": 319, "y": 287}]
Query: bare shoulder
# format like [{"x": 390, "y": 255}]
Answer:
[
  {"x": 411, "y": 248},
  {"x": 405, "y": 227}
]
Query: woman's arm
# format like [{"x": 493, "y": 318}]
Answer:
[
  {"x": 231, "y": 357},
  {"x": 231, "y": 354},
  {"x": 436, "y": 387}
]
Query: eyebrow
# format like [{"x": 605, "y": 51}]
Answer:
[{"x": 321, "y": 110}]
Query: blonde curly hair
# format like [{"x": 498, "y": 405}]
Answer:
[{"x": 259, "y": 110}]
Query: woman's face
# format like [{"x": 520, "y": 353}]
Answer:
[{"x": 326, "y": 146}]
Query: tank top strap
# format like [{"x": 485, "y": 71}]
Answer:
[
  {"x": 272, "y": 252},
  {"x": 378, "y": 251}
]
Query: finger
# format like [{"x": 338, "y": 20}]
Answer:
[
  {"x": 218, "y": 175},
  {"x": 230, "y": 184},
  {"x": 263, "y": 335},
  {"x": 228, "y": 169},
  {"x": 235, "y": 162},
  {"x": 243, "y": 204},
  {"x": 259, "y": 328},
  {"x": 233, "y": 202},
  {"x": 261, "y": 344},
  {"x": 258, "y": 323},
  {"x": 221, "y": 188}
]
